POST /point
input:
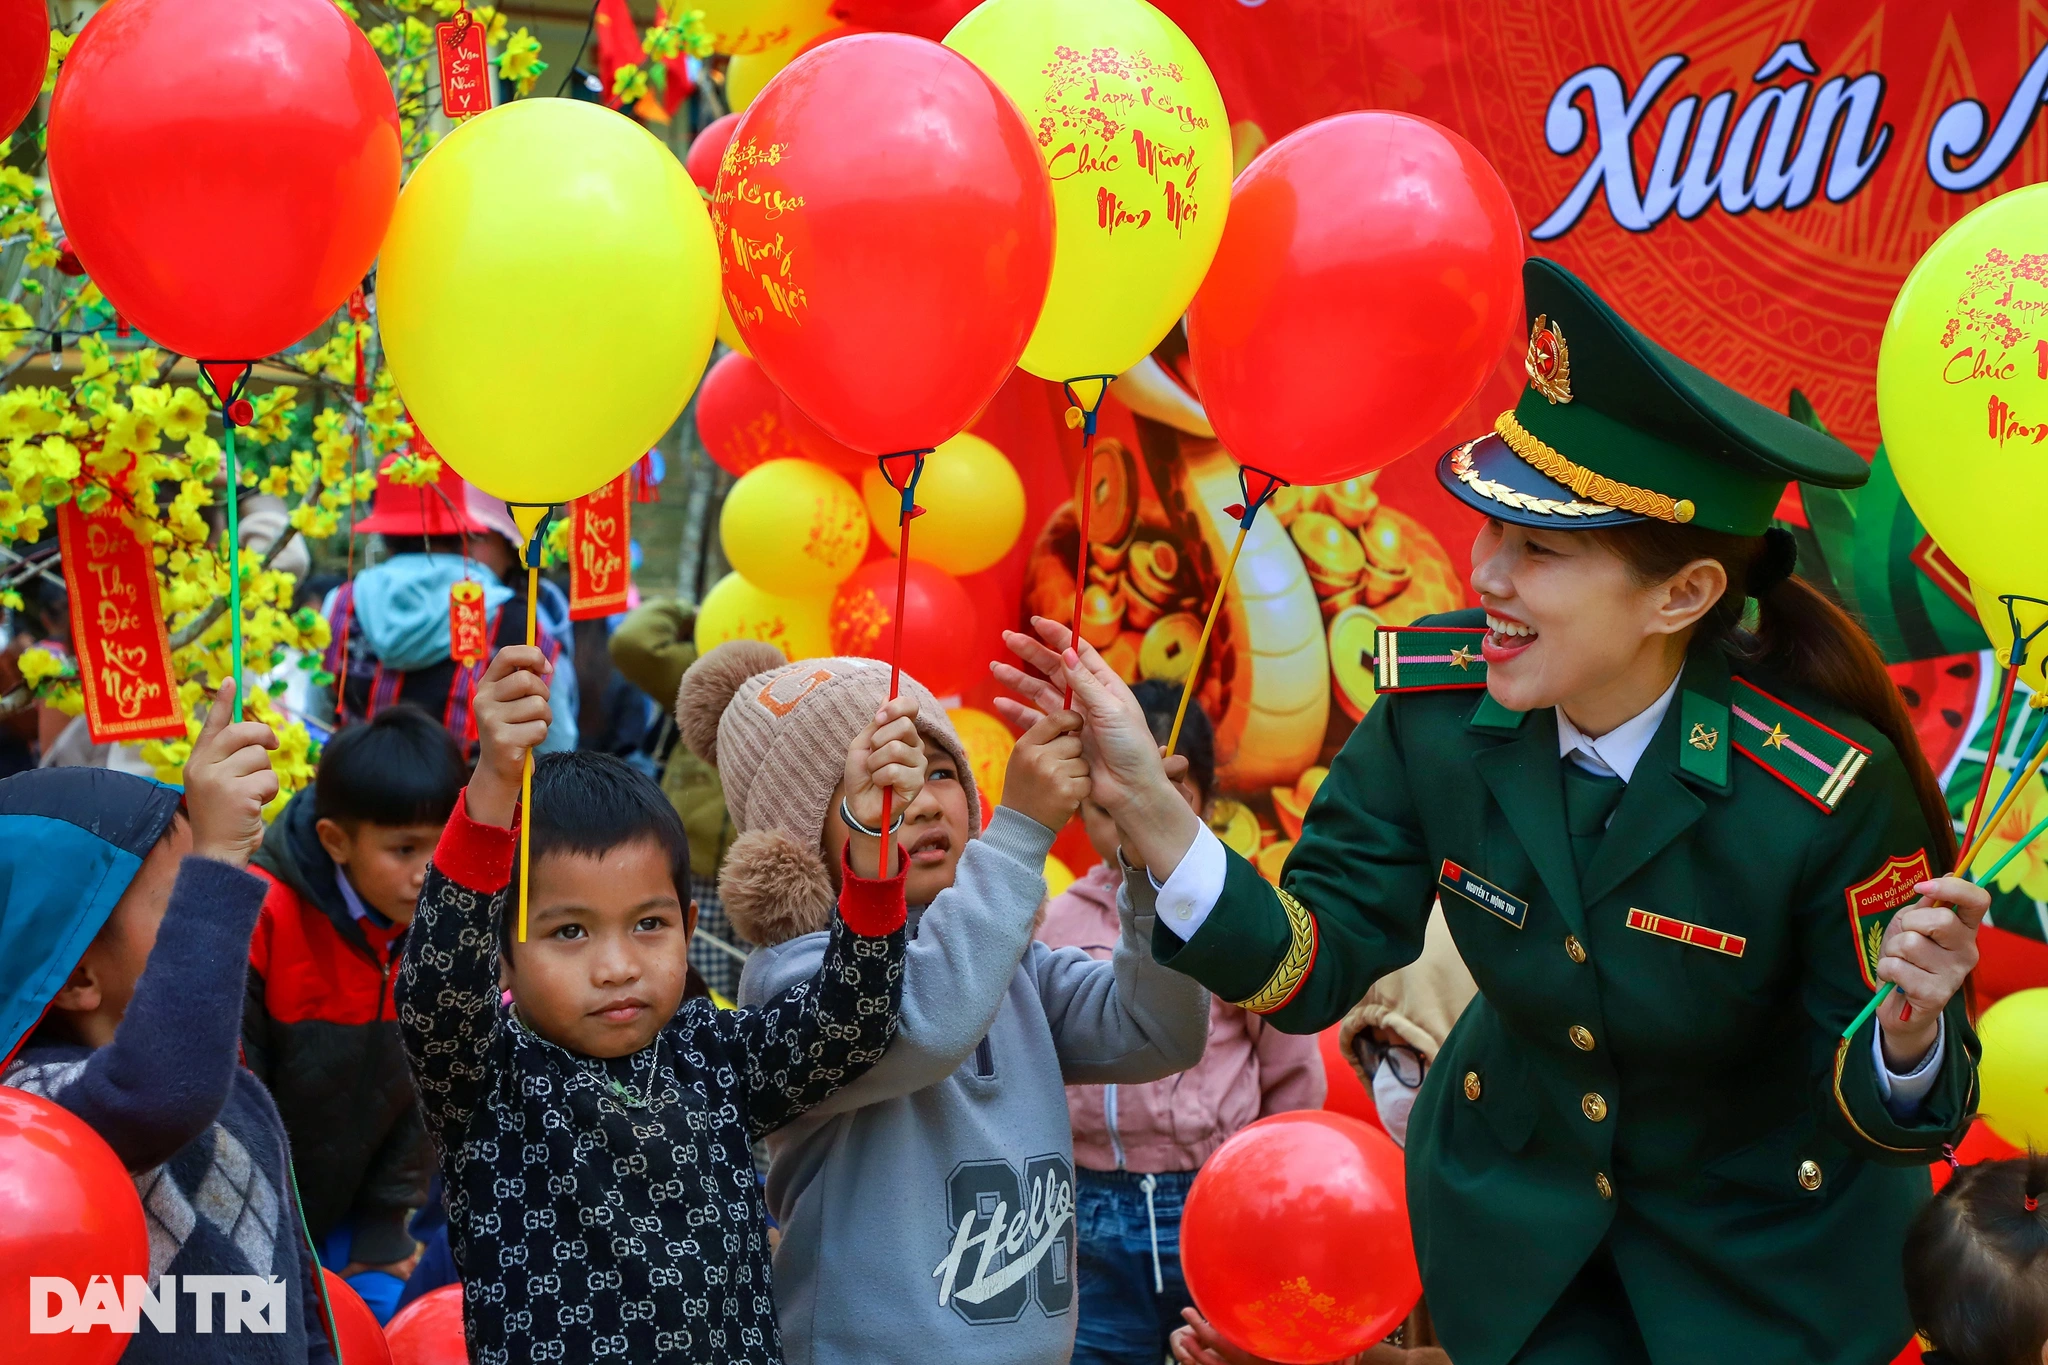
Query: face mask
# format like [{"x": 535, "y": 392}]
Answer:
[{"x": 1393, "y": 1100}]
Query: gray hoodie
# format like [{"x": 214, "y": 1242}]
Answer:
[{"x": 928, "y": 1208}]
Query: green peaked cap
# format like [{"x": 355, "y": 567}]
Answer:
[{"x": 1614, "y": 429}]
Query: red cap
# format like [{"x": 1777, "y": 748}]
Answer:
[{"x": 401, "y": 510}]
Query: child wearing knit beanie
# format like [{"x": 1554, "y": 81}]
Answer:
[
  {"x": 927, "y": 1208},
  {"x": 595, "y": 1134}
]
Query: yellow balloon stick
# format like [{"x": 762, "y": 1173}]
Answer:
[
  {"x": 530, "y": 520},
  {"x": 1187, "y": 687},
  {"x": 526, "y": 777},
  {"x": 1245, "y": 513}
]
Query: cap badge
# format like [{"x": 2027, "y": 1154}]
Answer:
[{"x": 1549, "y": 361}]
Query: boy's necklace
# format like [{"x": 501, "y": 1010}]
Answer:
[{"x": 645, "y": 1100}]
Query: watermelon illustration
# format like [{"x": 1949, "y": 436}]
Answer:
[{"x": 1939, "y": 695}]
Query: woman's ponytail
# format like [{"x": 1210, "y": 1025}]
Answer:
[
  {"x": 1805, "y": 638},
  {"x": 1799, "y": 635}
]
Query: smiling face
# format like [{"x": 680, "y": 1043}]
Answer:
[
  {"x": 606, "y": 956},
  {"x": 1569, "y": 625},
  {"x": 934, "y": 832}
]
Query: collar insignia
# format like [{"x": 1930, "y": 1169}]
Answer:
[{"x": 1704, "y": 738}]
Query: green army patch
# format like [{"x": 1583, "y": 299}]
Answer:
[
  {"x": 1427, "y": 658},
  {"x": 1817, "y": 762},
  {"x": 1873, "y": 902}
]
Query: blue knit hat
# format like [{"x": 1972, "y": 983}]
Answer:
[{"x": 71, "y": 840}]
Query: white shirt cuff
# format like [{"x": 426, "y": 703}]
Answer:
[
  {"x": 1902, "y": 1094},
  {"x": 1191, "y": 891}
]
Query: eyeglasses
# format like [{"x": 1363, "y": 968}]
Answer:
[{"x": 1404, "y": 1061}]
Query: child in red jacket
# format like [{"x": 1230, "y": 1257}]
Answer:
[{"x": 345, "y": 861}]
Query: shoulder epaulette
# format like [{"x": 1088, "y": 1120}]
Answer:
[
  {"x": 1817, "y": 762},
  {"x": 1427, "y": 658}
]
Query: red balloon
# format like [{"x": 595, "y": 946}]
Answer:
[
  {"x": 225, "y": 168},
  {"x": 932, "y": 19},
  {"x": 429, "y": 1330},
  {"x": 740, "y": 416},
  {"x": 1295, "y": 1238},
  {"x": 938, "y": 622},
  {"x": 1368, "y": 279},
  {"x": 1345, "y": 1093},
  {"x": 362, "y": 1336},
  {"x": 24, "y": 58},
  {"x": 815, "y": 443},
  {"x": 68, "y": 1209},
  {"x": 886, "y": 238},
  {"x": 707, "y": 149}
]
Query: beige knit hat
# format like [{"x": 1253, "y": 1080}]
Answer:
[{"x": 777, "y": 733}]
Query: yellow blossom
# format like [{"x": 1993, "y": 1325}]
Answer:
[
  {"x": 14, "y": 320},
  {"x": 2029, "y": 871},
  {"x": 415, "y": 471},
  {"x": 39, "y": 666}
]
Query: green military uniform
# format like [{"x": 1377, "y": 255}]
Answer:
[{"x": 1652, "y": 1082}]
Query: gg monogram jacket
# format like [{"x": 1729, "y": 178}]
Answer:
[{"x": 607, "y": 1210}]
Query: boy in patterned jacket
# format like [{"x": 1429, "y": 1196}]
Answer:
[{"x": 594, "y": 1134}]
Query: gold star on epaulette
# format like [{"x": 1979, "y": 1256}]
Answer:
[
  {"x": 1462, "y": 657},
  {"x": 1776, "y": 738}
]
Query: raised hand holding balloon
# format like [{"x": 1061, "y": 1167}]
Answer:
[
  {"x": 1367, "y": 282},
  {"x": 1137, "y": 145},
  {"x": 576, "y": 222},
  {"x": 282, "y": 109},
  {"x": 873, "y": 184},
  {"x": 1959, "y": 344}
]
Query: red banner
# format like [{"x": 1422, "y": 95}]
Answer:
[
  {"x": 465, "y": 66},
  {"x": 600, "y": 533},
  {"x": 117, "y": 628},
  {"x": 469, "y": 634}
]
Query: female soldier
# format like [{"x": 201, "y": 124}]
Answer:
[{"x": 1648, "y": 1138}]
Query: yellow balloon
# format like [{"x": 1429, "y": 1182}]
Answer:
[
  {"x": 973, "y": 502},
  {"x": 793, "y": 527},
  {"x": 735, "y": 609},
  {"x": 547, "y": 297},
  {"x": 1962, "y": 392},
  {"x": 1058, "y": 876},
  {"x": 1132, "y": 128},
  {"x": 988, "y": 743},
  {"x": 2014, "y": 1071},
  {"x": 746, "y": 77},
  {"x": 729, "y": 331},
  {"x": 744, "y": 28},
  {"x": 1998, "y": 621}
]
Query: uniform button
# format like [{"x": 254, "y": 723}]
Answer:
[
  {"x": 1472, "y": 1085},
  {"x": 1602, "y": 1184},
  {"x": 1809, "y": 1175},
  {"x": 1582, "y": 1037},
  {"x": 1593, "y": 1107},
  {"x": 1574, "y": 949}
]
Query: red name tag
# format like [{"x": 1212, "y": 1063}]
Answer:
[
  {"x": 600, "y": 530},
  {"x": 465, "y": 67},
  {"x": 117, "y": 628}
]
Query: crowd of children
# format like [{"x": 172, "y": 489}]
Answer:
[{"x": 970, "y": 1117}]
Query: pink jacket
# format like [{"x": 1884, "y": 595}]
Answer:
[{"x": 1250, "y": 1069}]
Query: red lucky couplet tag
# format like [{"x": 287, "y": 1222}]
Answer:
[
  {"x": 118, "y": 629},
  {"x": 600, "y": 527},
  {"x": 465, "y": 67},
  {"x": 468, "y": 631}
]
